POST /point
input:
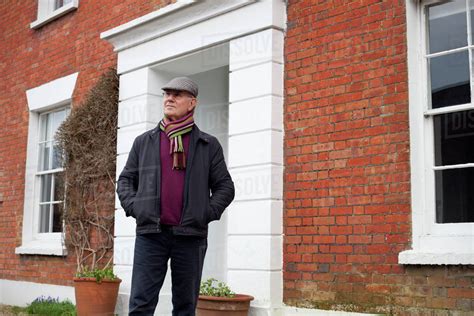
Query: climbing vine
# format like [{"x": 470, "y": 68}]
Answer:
[{"x": 88, "y": 140}]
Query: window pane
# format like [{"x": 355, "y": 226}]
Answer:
[
  {"x": 58, "y": 187},
  {"x": 49, "y": 125},
  {"x": 44, "y": 128},
  {"x": 44, "y": 218},
  {"x": 57, "y": 218},
  {"x": 57, "y": 157},
  {"x": 57, "y": 118},
  {"x": 46, "y": 185},
  {"x": 44, "y": 153},
  {"x": 454, "y": 195},
  {"x": 454, "y": 138},
  {"x": 450, "y": 84},
  {"x": 447, "y": 26}
]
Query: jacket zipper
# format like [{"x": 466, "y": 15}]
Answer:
[{"x": 158, "y": 184}]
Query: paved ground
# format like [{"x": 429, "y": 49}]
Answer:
[{"x": 7, "y": 310}]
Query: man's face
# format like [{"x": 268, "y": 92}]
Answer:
[{"x": 176, "y": 104}]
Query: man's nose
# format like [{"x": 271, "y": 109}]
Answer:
[{"x": 169, "y": 98}]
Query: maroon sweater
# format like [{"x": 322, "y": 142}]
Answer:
[{"x": 172, "y": 182}]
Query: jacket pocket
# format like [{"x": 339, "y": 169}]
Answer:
[
  {"x": 210, "y": 216},
  {"x": 129, "y": 211},
  {"x": 138, "y": 212},
  {"x": 145, "y": 210}
]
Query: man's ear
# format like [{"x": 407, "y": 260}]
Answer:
[{"x": 193, "y": 104}]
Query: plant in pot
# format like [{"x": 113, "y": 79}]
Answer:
[
  {"x": 216, "y": 298},
  {"x": 87, "y": 141}
]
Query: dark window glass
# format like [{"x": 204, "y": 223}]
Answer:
[
  {"x": 454, "y": 195},
  {"x": 59, "y": 186},
  {"x": 57, "y": 218},
  {"x": 449, "y": 78},
  {"x": 44, "y": 218},
  {"x": 58, "y": 160},
  {"x": 447, "y": 26},
  {"x": 454, "y": 138},
  {"x": 46, "y": 183}
]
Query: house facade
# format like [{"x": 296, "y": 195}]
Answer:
[{"x": 347, "y": 127}]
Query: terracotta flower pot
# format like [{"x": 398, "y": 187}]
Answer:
[
  {"x": 94, "y": 298},
  {"x": 215, "y": 306}
]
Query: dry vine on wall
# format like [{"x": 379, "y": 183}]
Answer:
[{"x": 88, "y": 140}]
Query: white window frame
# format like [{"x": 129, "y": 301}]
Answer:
[
  {"x": 47, "y": 13},
  {"x": 52, "y": 95},
  {"x": 432, "y": 243}
]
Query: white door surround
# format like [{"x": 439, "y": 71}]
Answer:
[{"x": 247, "y": 37}]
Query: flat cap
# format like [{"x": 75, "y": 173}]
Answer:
[{"x": 182, "y": 84}]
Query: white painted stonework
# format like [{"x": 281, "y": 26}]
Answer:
[
  {"x": 292, "y": 311},
  {"x": 51, "y": 94},
  {"x": 260, "y": 120},
  {"x": 9, "y": 292},
  {"x": 234, "y": 50}
]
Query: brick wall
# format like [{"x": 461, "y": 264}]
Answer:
[
  {"x": 347, "y": 172},
  {"x": 29, "y": 58}
]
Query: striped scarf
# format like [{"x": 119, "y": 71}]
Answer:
[{"x": 175, "y": 130}]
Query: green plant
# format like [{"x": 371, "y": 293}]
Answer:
[
  {"x": 51, "y": 307},
  {"x": 212, "y": 287},
  {"x": 98, "y": 274}
]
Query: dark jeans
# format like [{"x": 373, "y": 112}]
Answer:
[{"x": 152, "y": 252}]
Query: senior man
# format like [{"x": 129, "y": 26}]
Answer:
[{"x": 174, "y": 183}]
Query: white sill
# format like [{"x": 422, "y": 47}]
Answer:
[
  {"x": 303, "y": 311},
  {"x": 435, "y": 258},
  {"x": 54, "y": 15},
  {"x": 45, "y": 248}
]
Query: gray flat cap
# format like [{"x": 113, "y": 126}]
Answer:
[{"x": 182, "y": 84}]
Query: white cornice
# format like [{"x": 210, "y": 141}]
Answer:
[{"x": 169, "y": 19}]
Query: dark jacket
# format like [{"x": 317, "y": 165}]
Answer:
[{"x": 138, "y": 186}]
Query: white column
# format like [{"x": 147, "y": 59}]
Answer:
[
  {"x": 140, "y": 109},
  {"x": 256, "y": 164}
]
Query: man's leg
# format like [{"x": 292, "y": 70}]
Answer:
[
  {"x": 187, "y": 259},
  {"x": 150, "y": 263}
]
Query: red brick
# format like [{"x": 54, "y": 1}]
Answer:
[
  {"x": 461, "y": 293},
  {"x": 355, "y": 53},
  {"x": 341, "y": 249}
]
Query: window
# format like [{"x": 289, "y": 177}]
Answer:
[
  {"x": 441, "y": 131},
  {"x": 49, "y": 10},
  {"x": 48, "y": 106},
  {"x": 448, "y": 56},
  {"x": 61, "y": 3},
  {"x": 49, "y": 172}
]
